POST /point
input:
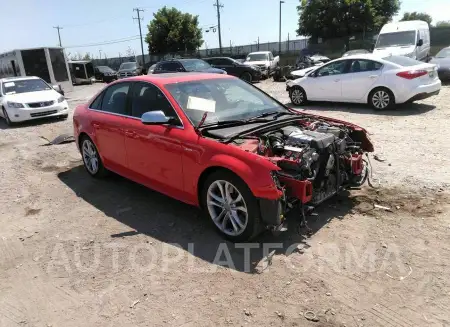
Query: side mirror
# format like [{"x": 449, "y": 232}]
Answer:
[
  {"x": 420, "y": 43},
  {"x": 179, "y": 69},
  {"x": 58, "y": 89},
  {"x": 155, "y": 118}
]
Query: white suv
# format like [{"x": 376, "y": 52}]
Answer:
[{"x": 26, "y": 98}]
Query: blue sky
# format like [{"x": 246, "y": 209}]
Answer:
[{"x": 30, "y": 22}]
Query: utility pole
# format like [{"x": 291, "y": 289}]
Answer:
[
  {"x": 100, "y": 54},
  {"x": 258, "y": 43},
  {"x": 288, "y": 43},
  {"x": 218, "y": 6},
  {"x": 140, "y": 32},
  {"x": 279, "y": 39},
  {"x": 59, "y": 35}
]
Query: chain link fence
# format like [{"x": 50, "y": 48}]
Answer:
[{"x": 290, "y": 50}]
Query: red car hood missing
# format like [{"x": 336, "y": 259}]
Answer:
[{"x": 363, "y": 134}]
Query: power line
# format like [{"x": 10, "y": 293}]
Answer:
[
  {"x": 219, "y": 6},
  {"x": 59, "y": 35},
  {"x": 138, "y": 11},
  {"x": 130, "y": 38}
]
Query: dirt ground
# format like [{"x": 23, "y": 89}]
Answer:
[{"x": 81, "y": 252}]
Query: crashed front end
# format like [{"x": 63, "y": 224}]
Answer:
[{"x": 316, "y": 158}]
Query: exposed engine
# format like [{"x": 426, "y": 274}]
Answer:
[{"x": 316, "y": 160}]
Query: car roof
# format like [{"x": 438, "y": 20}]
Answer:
[
  {"x": 171, "y": 78},
  {"x": 404, "y": 26},
  {"x": 18, "y": 78},
  {"x": 259, "y": 52},
  {"x": 217, "y": 58},
  {"x": 361, "y": 56}
]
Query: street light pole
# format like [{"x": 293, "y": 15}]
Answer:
[{"x": 279, "y": 37}]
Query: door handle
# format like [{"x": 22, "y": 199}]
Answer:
[
  {"x": 337, "y": 80},
  {"x": 96, "y": 125},
  {"x": 373, "y": 76}
]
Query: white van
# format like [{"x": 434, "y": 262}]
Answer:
[{"x": 409, "y": 38}]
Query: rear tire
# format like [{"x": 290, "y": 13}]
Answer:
[
  {"x": 381, "y": 98},
  {"x": 91, "y": 158},
  {"x": 297, "y": 95},
  {"x": 231, "y": 206}
]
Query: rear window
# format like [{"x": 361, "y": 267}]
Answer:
[{"x": 402, "y": 61}]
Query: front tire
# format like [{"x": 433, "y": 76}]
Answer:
[
  {"x": 297, "y": 95},
  {"x": 231, "y": 206},
  {"x": 381, "y": 99},
  {"x": 91, "y": 158},
  {"x": 7, "y": 120},
  {"x": 246, "y": 76}
]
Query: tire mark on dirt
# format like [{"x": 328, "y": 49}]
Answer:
[{"x": 389, "y": 316}]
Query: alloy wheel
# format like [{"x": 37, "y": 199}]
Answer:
[
  {"x": 380, "y": 99},
  {"x": 90, "y": 157},
  {"x": 227, "y": 207},
  {"x": 297, "y": 96}
]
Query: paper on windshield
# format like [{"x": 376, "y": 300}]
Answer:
[
  {"x": 9, "y": 84},
  {"x": 195, "y": 103}
]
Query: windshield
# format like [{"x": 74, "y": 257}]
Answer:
[
  {"x": 194, "y": 64},
  {"x": 128, "y": 65},
  {"x": 396, "y": 39},
  {"x": 25, "y": 86},
  {"x": 257, "y": 57},
  {"x": 402, "y": 61},
  {"x": 223, "y": 99},
  {"x": 444, "y": 53},
  {"x": 105, "y": 69}
]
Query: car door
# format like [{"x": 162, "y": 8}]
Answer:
[
  {"x": 362, "y": 75},
  {"x": 227, "y": 65},
  {"x": 154, "y": 151},
  {"x": 325, "y": 83},
  {"x": 107, "y": 119}
]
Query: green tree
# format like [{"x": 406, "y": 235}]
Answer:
[
  {"x": 417, "y": 16},
  {"x": 443, "y": 23},
  {"x": 172, "y": 31},
  {"x": 329, "y": 19},
  {"x": 87, "y": 56}
]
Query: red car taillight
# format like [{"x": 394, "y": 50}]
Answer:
[{"x": 411, "y": 74}]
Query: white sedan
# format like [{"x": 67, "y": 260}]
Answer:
[
  {"x": 367, "y": 78},
  {"x": 26, "y": 98}
]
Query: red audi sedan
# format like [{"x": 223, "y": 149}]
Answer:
[{"x": 219, "y": 143}]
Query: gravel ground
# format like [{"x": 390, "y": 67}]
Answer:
[{"x": 75, "y": 251}]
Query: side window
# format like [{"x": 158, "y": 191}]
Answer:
[
  {"x": 360, "y": 65},
  {"x": 97, "y": 103},
  {"x": 212, "y": 61},
  {"x": 335, "y": 68},
  {"x": 171, "y": 66},
  {"x": 147, "y": 97},
  {"x": 223, "y": 62},
  {"x": 270, "y": 56},
  {"x": 115, "y": 99}
]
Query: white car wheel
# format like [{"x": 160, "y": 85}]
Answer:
[
  {"x": 298, "y": 96},
  {"x": 381, "y": 99}
]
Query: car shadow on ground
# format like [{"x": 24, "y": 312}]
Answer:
[
  {"x": 30, "y": 123},
  {"x": 405, "y": 109},
  {"x": 170, "y": 221}
]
